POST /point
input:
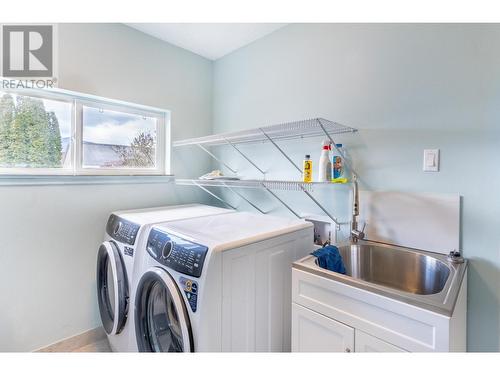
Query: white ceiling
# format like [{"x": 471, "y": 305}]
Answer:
[{"x": 210, "y": 40}]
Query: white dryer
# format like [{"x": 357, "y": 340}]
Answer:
[
  {"x": 115, "y": 262},
  {"x": 218, "y": 283}
]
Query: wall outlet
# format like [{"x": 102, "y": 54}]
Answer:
[{"x": 431, "y": 160}]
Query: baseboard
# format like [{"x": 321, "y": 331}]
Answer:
[{"x": 73, "y": 343}]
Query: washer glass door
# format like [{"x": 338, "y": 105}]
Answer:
[
  {"x": 112, "y": 288},
  {"x": 162, "y": 322}
]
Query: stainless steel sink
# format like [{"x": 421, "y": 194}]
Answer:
[
  {"x": 400, "y": 269},
  {"x": 417, "y": 277}
]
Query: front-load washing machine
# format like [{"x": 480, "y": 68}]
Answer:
[
  {"x": 218, "y": 283},
  {"x": 115, "y": 262}
]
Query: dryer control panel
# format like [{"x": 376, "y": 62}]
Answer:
[
  {"x": 122, "y": 230},
  {"x": 177, "y": 253}
]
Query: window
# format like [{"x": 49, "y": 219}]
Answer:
[
  {"x": 114, "y": 139},
  {"x": 34, "y": 132},
  {"x": 49, "y": 132}
]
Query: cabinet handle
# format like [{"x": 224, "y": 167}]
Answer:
[{"x": 347, "y": 350}]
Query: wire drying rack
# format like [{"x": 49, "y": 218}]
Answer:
[
  {"x": 267, "y": 134},
  {"x": 252, "y": 184},
  {"x": 289, "y": 130}
]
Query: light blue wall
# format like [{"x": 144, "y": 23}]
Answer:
[
  {"x": 406, "y": 87},
  {"x": 49, "y": 235}
]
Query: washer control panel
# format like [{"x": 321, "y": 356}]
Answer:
[
  {"x": 177, "y": 253},
  {"x": 122, "y": 230}
]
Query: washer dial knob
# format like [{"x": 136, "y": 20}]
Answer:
[
  {"x": 167, "y": 249},
  {"x": 118, "y": 228}
]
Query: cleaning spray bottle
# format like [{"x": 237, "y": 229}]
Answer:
[{"x": 325, "y": 165}]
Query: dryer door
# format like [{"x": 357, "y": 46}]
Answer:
[
  {"x": 112, "y": 288},
  {"x": 161, "y": 318}
]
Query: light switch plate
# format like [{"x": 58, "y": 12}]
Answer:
[{"x": 431, "y": 160}]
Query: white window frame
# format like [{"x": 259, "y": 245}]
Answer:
[{"x": 78, "y": 101}]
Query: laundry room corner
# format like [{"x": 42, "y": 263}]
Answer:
[{"x": 51, "y": 227}]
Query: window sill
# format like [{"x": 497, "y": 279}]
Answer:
[{"x": 20, "y": 180}]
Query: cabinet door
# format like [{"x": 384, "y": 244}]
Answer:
[
  {"x": 257, "y": 297},
  {"x": 369, "y": 343},
  {"x": 313, "y": 332}
]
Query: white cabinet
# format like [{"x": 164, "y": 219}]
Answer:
[
  {"x": 256, "y": 295},
  {"x": 363, "y": 342},
  {"x": 328, "y": 315},
  {"x": 313, "y": 332}
]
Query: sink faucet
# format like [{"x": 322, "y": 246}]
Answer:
[{"x": 356, "y": 234}]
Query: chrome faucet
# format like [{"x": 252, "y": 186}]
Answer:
[{"x": 356, "y": 234}]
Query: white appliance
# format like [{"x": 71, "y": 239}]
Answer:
[
  {"x": 218, "y": 283},
  {"x": 115, "y": 262}
]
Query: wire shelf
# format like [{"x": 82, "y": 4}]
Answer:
[
  {"x": 256, "y": 184},
  {"x": 291, "y": 130}
]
